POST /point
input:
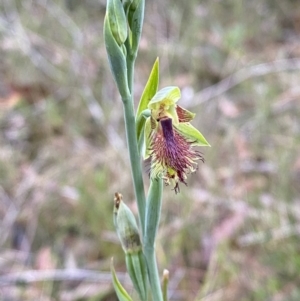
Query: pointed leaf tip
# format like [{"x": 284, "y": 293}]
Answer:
[
  {"x": 119, "y": 289},
  {"x": 150, "y": 88},
  {"x": 149, "y": 91}
]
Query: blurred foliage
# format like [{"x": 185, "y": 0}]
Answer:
[{"x": 233, "y": 233}]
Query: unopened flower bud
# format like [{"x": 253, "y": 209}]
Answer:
[
  {"x": 117, "y": 20},
  {"x": 128, "y": 233},
  {"x": 135, "y": 21},
  {"x": 117, "y": 58},
  {"x": 126, "y": 226}
]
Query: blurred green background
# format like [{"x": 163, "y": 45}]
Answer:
[{"x": 233, "y": 232}]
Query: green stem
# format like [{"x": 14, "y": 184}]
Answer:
[
  {"x": 132, "y": 140},
  {"x": 153, "y": 274},
  {"x": 153, "y": 210},
  {"x": 130, "y": 61},
  {"x": 135, "y": 160}
]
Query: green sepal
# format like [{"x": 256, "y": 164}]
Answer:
[
  {"x": 192, "y": 134},
  {"x": 117, "y": 20},
  {"x": 168, "y": 96},
  {"x": 119, "y": 289},
  {"x": 117, "y": 60},
  {"x": 149, "y": 91},
  {"x": 163, "y": 104}
]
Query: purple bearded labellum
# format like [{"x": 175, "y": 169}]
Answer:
[{"x": 172, "y": 155}]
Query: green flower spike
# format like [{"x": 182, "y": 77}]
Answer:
[{"x": 170, "y": 139}]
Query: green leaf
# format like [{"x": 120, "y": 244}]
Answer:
[
  {"x": 191, "y": 133},
  {"x": 149, "y": 91},
  {"x": 119, "y": 289},
  {"x": 150, "y": 88}
]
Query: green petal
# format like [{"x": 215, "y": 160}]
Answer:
[
  {"x": 120, "y": 290},
  {"x": 167, "y": 96},
  {"x": 192, "y": 134},
  {"x": 148, "y": 93}
]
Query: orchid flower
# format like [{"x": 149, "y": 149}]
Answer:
[{"x": 170, "y": 139}]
